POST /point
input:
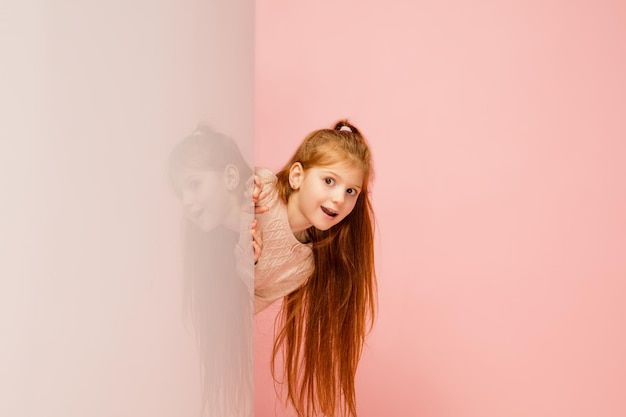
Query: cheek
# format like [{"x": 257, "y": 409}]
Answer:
[
  {"x": 351, "y": 207},
  {"x": 203, "y": 195},
  {"x": 312, "y": 195},
  {"x": 212, "y": 190}
]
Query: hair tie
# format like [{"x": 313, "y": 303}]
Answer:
[{"x": 345, "y": 128}]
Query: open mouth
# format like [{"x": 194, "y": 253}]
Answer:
[{"x": 329, "y": 212}]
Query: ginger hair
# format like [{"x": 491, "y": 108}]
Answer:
[{"x": 321, "y": 327}]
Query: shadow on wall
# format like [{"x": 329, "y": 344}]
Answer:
[{"x": 209, "y": 175}]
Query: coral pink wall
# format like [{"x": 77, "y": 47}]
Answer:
[{"x": 499, "y": 140}]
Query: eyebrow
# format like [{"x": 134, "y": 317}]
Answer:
[{"x": 333, "y": 173}]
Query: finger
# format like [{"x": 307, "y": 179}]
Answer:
[
  {"x": 257, "y": 189},
  {"x": 257, "y": 236},
  {"x": 257, "y": 251}
]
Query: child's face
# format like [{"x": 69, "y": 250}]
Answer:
[
  {"x": 324, "y": 195},
  {"x": 205, "y": 197}
]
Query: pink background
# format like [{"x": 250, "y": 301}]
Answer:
[{"x": 499, "y": 141}]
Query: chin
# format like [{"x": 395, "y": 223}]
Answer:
[{"x": 325, "y": 227}]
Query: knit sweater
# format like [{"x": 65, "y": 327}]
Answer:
[{"x": 285, "y": 263}]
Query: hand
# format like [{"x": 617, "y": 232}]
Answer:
[
  {"x": 256, "y": 193},
  {"x": 254, "y": 184},
  {"x": 257, "y": 240}
]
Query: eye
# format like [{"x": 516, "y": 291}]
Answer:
[
  {"x": 329, "y": 181},
  {"x": 352, "y": 191}
]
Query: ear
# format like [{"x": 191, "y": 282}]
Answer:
[
  {"x": 231, "y": 177},
  {"x": 296, "y": 175}
]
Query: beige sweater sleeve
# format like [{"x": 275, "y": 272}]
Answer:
[{"x": 285, "y": 263}]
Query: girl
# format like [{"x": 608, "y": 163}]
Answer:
[
  {"x": 207, "y": 172},
  {"x": 318, "y": 255}
]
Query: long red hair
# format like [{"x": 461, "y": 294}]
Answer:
[{"x": 322, "y": 325}]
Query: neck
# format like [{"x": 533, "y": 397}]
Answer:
[{"x": 297, "y": 222}]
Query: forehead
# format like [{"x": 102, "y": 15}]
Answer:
[{"x": 352, "y": 174}]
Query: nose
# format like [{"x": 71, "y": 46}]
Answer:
[{"x": 338, "y": 197}]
